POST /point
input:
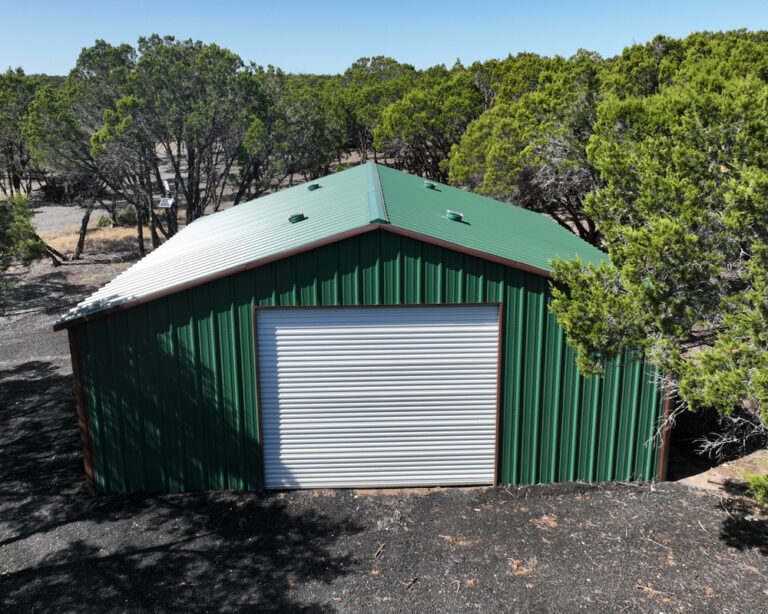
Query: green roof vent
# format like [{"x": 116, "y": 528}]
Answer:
[
  {"x": 313, "y": 186},
  {"x": 429, "y": 185},
  {"x": 454, "y": 215},
  {"x": 297, "y": 217}
]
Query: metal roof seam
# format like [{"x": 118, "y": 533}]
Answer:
[{"x": 377, "y": 202}]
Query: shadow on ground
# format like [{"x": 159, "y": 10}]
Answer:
[
  {"x": 38, "y": 432},
  {"x": 45, "y": 293},
  {"x": 225, "y": 551},
  {"x": 69, "y": 551},
  {"x": 744, "y": 528}
]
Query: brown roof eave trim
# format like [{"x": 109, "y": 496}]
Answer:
[
  {"x": 82, "y": 411},
  {"x": 215, "y": 276},
  {"x": 514, "y": 264}
]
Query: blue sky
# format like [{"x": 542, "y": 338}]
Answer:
[{"x": 326, "y": 37}]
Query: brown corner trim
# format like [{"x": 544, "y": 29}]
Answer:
[
  {"x": 666, "y": 438},
  {"x": 514, "y": 264},
  {"x": 82, "y": 411}
]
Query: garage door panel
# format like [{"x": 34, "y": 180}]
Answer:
[{"x": 378, "y": 396}]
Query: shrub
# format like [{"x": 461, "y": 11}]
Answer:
[
  {"x": 127, "y": 217},
  {"x": 758, "y": 486},
  {"x": 103, "y": 222}
]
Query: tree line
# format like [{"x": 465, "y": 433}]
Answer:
[{"x": 656, "y": 156}]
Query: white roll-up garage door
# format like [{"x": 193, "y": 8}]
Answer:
[{"x": 378, "y": 396}]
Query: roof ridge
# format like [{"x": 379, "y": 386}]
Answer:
[{"x": 377, "y": 204}]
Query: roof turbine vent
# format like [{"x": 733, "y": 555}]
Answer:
[
  {"x": 313, "y": 186},
  {"x": 297, "y": 217},
  {"x": 429, "y": 185},
  {"x": 454, "y": 216}
]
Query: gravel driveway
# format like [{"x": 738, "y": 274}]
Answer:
[
  {"x": 553, "y": 548},
  {"x": 57, "y": 217}
]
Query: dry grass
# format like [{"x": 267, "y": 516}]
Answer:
[{"x": 97, "y": 240}]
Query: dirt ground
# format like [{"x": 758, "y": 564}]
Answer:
[{"x": 549, "y": 548}]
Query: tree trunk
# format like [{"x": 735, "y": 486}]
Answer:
[
  {"x": 55, "y": 256},
  {"x": 140, "y": 233},
  {"x": 151, "y": 222},
  {"x": 83, "y": 230},
  {"x": 158, "y": 224},
  {"x": 112, "y": 211},
  {"x": 173, "y": 218},
  {"x": 192, "y": 187},
  {"x": 15, "y": 179},
  {"x": 170, "y": 214},
  {"x": 241, "y": 191},
  {"x": 52, "y": 254}
]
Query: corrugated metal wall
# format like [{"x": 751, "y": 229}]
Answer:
[{"x": 171, "y": 384}]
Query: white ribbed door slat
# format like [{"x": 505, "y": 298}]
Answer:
[{"x": 378, "y": 396}]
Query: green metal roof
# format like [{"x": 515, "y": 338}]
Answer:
[
  {"x": 487, "y": 226},
  {"x": 354, "y": 199}
]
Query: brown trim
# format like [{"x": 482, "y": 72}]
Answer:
[
  {"x": 298, "y": 250},
  {"x": 352, "y": 306},
  {"x": 209, "y": 278},
  {"x": 666, "y": 438},
  {"x": 258, "y": 397},
  {"x": 498, "y": 400},
  {"x": 82, "y": 411},
  {"x": 514, "y": 264}
]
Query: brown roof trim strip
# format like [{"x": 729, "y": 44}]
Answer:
[
  {"x": 292, "y": 252},
  {"x": 82, "y": 411}
]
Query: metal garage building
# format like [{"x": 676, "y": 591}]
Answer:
[{"x": 366, "y": 329}]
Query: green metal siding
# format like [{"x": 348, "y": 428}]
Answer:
[{"x": 171, "y": 384}]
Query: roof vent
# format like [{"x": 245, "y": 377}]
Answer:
[
  {"x": 454, "y": 215},
  {"x": 313, "y": 186},
  {"x": 429, "y": 185},
  {"x": 297, "y": 217}
]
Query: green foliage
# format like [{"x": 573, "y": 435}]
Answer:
[
  {"x": 17, "y": 236},
  {"x": 186, "y": 98},
  {"x": 359, "y": 96},
  {"x": 596, "y": 327},
  {"x": 127, "y": 217},
  {"x": 312, "y": 143},
  {"x": 103, "y": 222},
  {"x": 684, "y": 212},
  {"x": 18, "y": 241},
  {"x": 61, "y": 120},
  {"x": 530, "y": 148},
  {"x": 17, "y": 91},
  {"x": 642, "y": 69},
  {"x": 419, "y": 129},
  {"x": 758, "y": 486}
]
